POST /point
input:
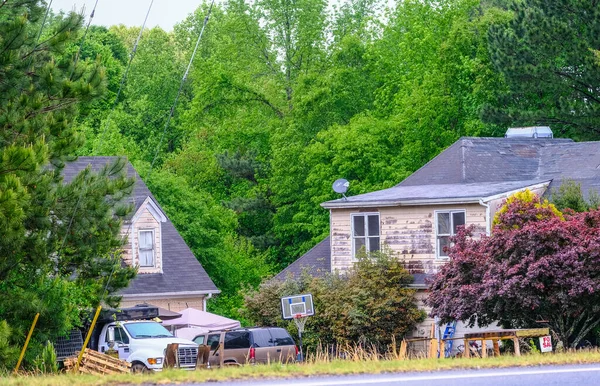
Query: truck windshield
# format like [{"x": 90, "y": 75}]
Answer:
[{"x": 147, "y": 330}]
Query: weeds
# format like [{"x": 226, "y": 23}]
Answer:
[{"x": 324, "y": 360}]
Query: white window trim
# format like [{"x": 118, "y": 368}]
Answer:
[
  {"x": 437, "y": 240},
  {"x": 154, "y": 249},
  {"x": 362, "y": 214}
]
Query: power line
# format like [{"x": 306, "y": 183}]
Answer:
[
  {"x": 37, "y": 39},
  {"x": 185, "y": 75},
  {"x": 124, "y": 78},
  {"x": 83, "y": 38}
]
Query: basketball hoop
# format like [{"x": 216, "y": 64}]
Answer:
[
  {"x": 299, "y": 308},
  {"x": 300, "y": 321}
]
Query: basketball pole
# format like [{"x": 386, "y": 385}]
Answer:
[{"x": 300, "y": 342}]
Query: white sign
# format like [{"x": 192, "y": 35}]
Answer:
[{"x": 546, "y": 343}]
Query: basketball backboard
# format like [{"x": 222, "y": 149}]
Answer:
[{"x": 297, "y": 305}]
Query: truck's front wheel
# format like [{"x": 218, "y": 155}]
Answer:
[{"x": 138, "y": 368}]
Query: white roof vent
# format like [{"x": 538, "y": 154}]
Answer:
[{"x": 529, "y": 132}]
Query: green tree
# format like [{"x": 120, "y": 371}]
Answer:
[
  {"x": 370, "y": 304},
  {"x": 59, "y": 250},
  {"x": 547, "y": 54},
  {"x": 209, "y": 230},
  {"x": 570, "y": 196}
]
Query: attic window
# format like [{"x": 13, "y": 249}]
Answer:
[{"x": 146, "y": 248}]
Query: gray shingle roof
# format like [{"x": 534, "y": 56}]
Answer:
[
  {"x": 482, "y": 167},
  {"x": 400, "y": 194},
  {"x": 478, "y": 167},
  {"x": 182, "y": 273},
  {"x": 317, "y": 262}
]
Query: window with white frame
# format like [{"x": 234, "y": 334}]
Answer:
[
  {"x": 365, "y": 232},
  {"x": 146, "y": 248},
  {"x": 447, "y": 223}
]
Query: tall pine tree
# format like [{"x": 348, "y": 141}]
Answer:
[
  {"x": 59, "y": 244},
  {"x": 549, "y": 56}
]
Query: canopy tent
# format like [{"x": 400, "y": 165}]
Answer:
[
  {"x": 191, "y": 317},
  {"x": 190, "y": 332}
]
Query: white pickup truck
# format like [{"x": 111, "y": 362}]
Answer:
[{"x": 143, "y": 343}]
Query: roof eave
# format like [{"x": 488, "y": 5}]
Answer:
[
  {"x": 539, "y": 185},
  {"x": 170, "y": 295},
  {"x": 386, "y": 203}
]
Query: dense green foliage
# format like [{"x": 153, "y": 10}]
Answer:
[
  {"x": 369, "y": 305},
  {"x": 57, "y": 251},
  {"x": 548, "y": 54},
  {"x": 570, "y": 196},
  {"x": 283, "y": 98}
]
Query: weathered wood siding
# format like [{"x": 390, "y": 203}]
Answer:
[
  {"x": 145, "y": 221},
  {"x": 408, "y": 231},
  {"x": 170, "y": 304}
]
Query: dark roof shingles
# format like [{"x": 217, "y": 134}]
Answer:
[
  {"x": 316, "y": 261},
  {"x": 182, "y": 272}
]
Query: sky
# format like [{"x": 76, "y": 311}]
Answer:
[{"x": 164, "y": 13}]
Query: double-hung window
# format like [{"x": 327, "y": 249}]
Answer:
[
  {"x": 365, "y": 232},
  {"x": 146, "y": 248},
  {"x": 447, "y": 223}
]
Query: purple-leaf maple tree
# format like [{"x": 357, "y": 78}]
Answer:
[{"x": 537, "y": 268}]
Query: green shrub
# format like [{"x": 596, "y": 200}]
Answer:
[
  {"x": 569, "y": 195},
  {"x": 8, "y": 352},
  {"x": 370, "y": 304},
  {"x": 46, "y": 362}
]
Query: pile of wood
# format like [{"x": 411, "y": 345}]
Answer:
[{"x": 97, "y": 363}]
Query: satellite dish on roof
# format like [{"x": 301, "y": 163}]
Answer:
[{"x": 341, "y": 186}]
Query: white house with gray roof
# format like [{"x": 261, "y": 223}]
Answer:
[
  {"x": 169, "y": 275},
  {"x": 463, "y": 185}
]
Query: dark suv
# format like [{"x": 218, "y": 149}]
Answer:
[{"x": 249, "y": 345}]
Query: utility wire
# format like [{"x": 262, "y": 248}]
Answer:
[
  {"x": 83, "y": 38},
  {"x": 185, "y": 75},
  {"x": 37, "y": 39},
  {"x": 124, "y": 78}
]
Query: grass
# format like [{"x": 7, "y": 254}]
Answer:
[{"x": 313, "y": 368}]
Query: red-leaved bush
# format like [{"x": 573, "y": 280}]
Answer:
[{"x": 536, "y": 269}]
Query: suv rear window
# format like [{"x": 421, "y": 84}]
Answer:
[
  {"x": 262, "y": 338},
  {"x": 281, "y": 337},
  {"x": 237, "y": 339}
]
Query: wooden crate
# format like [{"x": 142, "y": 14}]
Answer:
[{"x": 94, "y": 362}]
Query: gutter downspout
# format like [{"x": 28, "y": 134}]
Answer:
[
  {"x": 204, "y": 301},
  {"x": 488, "y": 220}
]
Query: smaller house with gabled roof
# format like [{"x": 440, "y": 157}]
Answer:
[
  {"x": 464, "y": 185},
  {"x": 169, "y": 275}
]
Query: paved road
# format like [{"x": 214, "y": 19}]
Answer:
[{"x": 579, "y": 375}]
